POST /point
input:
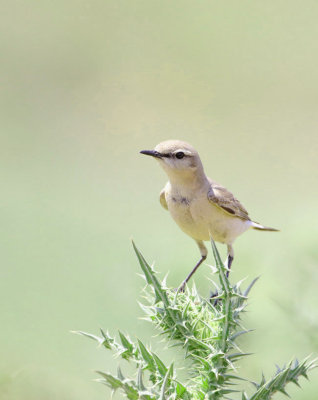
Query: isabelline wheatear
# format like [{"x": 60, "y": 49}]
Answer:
[{"x": 202, "y": 208}]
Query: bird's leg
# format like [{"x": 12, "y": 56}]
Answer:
[
  {"x": 182, "y": 287},
  {"x": 230, "y": 258},
  {"x": 204, "y": 253}
]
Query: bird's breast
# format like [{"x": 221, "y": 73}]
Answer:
[
  {"x": 200, "y": 219},
  {"x": 180, "y": 200},
  {"x": 181, "y": 208}
]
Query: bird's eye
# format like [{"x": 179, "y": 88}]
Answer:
[{"x": 180, "y": 154}]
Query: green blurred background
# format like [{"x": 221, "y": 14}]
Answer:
[{"x": 87, "y": 84}]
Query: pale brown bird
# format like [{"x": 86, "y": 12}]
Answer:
[{"x": 202, "y": 208}]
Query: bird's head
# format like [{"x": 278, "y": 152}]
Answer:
[{"x": 179, "y": 159}]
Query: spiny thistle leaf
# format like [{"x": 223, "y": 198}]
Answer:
[
  {"x": 290, "y": 373},
  {"x": 108, "y": 341},
  {"x": 151, "y": 278},
  {"x": 165, "y": 384},
  {"x": 128, "y": 347},
  {"x": 110, "y": 380},
  {"x": 205, "y": 330},
  {"x": 240, "y": 333},
  {"x": 89, "y": 335},
  {"x": 221, "y": 270},
  {"x": 147, "y": 357},
  {"x": 250, "y": 286},
  {"x": 162, "y": 369}
]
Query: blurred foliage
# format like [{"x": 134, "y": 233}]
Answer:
[{"x": 84, "y": 87}]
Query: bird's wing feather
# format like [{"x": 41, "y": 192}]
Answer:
[
  {"x": 162, "y": 199},
  {"x": 221, "y": 197}
]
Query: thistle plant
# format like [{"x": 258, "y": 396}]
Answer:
[{"x": 206, "y": 329}]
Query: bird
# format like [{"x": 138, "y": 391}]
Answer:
[{"x": 202, "y": 208}]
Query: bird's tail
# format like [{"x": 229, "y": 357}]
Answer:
[{"x": 259, "y": 227}]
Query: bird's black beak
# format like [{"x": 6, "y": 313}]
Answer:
[{"x": 151, "y": 153}]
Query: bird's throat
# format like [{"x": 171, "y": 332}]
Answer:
[{"x": 188, "y": 180}]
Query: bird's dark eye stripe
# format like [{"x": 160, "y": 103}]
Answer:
[
  {"x": 180, "y": 154},
  {"x": 169, "y": 155}
]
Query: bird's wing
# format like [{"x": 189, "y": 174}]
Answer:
[
  {"x": 221, "y": 197},
  {"x": 162, "y": 199}
]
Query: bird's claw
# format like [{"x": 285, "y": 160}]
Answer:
[
  {"x": 214, "y": 298},
  {"x": 182, "y": 287}
]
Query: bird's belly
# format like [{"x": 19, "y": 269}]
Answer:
[
  {"x": 202, "y": 220},
  {"x": 182, "y": 215}
]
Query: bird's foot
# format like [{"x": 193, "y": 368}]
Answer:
[
  {"x": 182, "y": 287},
  {"x": 214, "y": 298}
]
